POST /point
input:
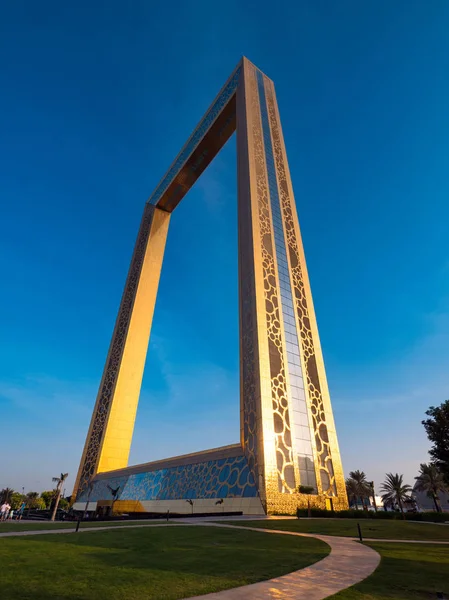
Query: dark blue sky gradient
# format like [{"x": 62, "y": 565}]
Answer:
[{"x": 96, "y": 101}]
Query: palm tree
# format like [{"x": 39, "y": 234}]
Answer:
[
  {"x": 352, "y": 490},
  {"x": 32, "y": 500},
  {"x": 59, "y": 481},
  {"x": 362, "y": 485},
  {"x": 430, "y": 480},
  {"x": 114, "y": 493},
  {"x": 373, "y": 494},
  {"x": 6, "y": 494},
  {"x": 395, "y": 490}
]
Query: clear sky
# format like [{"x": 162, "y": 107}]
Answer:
[{"x": 96, "y": 100}]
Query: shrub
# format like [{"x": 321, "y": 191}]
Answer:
[{"x": 431, "y": 517}]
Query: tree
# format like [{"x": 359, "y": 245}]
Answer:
[
  {"x": 307, "y": 489},
  {"x": 64, "y": 504},
  {"x": 352, "y": 489},
  {"x": 373, "y": 494},
  {"x": 59, "y": 481},
  {"x": 431, "y": 481},
  {"x": 33, "y": 501},
  {"x": 395, "y": 490},
  {"x": 362, "y": 486},
  {"x": 48, "y": 496},
  {"x": 114, "y": 493},
  {"x": 437, "y": 429},
  {"x": 5, "y": 494},
  {"x": 16, "y": 500}
]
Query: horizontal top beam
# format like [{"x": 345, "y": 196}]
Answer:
[{"x": 210, "y": 135}]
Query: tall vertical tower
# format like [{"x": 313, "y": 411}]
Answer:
[{"x": 287, "y": 431}]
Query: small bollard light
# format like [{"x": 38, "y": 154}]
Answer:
[{"x": 360, "y": 532}]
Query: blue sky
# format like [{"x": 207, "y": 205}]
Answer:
[{"x": 97, "y": 99}]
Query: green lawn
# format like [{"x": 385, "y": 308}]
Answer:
[
  {"x": 154, "y": 563},
  {"x": 406, "y": 572},
  {"x": 30, "y": 525},
  {"x": 396, "y": 530}
]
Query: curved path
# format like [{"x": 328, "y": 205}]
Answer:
[{"x": 348, "y": 563}]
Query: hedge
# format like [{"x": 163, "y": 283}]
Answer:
[{"x": 433, "y": 517}]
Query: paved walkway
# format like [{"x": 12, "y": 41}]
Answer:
[
  {"x": 348, "y": 563},
  {"x": 405, "y": 541},
  {"x": 83, "y": 529}
]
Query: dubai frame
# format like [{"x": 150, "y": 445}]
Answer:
[{"x": 287, "y": 431}]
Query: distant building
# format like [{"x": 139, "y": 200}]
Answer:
[{"x": 368, "y": 503}]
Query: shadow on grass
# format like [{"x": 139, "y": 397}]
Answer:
[
  {"x": 348, "y": 528},
  {"x": 148, "y": 563},
  {"x": 406, "y": 571}
]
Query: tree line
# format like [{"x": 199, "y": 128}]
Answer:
[
  {"x": 394, "y": 492},
  {"x": 433, "y": 477},
  {"x": 50, "y": 499}
]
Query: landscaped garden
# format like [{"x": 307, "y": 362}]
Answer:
[
  {"x": 8, "y": 526},
  {"x": 406, "y": 572},
  {"x": 371, "y": 528},
  {"x": 151, "y": 563}
]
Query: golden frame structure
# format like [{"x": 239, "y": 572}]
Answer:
[{"x": 287, "y": 430}]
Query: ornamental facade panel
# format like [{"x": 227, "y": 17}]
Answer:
[{"x": 287, "y": 431}]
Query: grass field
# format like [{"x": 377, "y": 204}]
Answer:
[
  {"x": 396, "y": 530},
  {"x": 163, "y": 563},
  {"x": 30, "y": 525},
  {"x": 406, "y": 572}
]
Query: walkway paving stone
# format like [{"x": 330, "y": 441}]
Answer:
[
  {"x": 348, "y": 563},
  {"x": 83, "y": 529}
]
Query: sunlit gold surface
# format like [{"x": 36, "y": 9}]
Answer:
[
  {"x": 265, "y": 405},
  {"x": 119, "y": 430},
  {"x": 109, "y": 437}
]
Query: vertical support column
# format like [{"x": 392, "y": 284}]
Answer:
[
  {"x": 328, "y": 468},
  {"x": 287, "y": 428},
  {"x": 109, "y": 437},
  {"x": 251, "y": 427},
  {"x": 265, "y": 422}
]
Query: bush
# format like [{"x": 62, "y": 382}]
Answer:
[{"x": 431, "y": 517}]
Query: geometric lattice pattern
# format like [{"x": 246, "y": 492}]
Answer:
[
  {"x": 224, "y": 478},
  {"x": 111, "y": 370},
  {"x": 278, "y": 379},
  {"x": 304, "y": 320},
  {"x": 287, "y": 430}
]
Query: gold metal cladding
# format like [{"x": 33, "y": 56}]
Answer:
[
  {"x": 251, "y": 428},
  {"x": 330, "y": 478},
  {"x": 265, "y": 430},
  {"x": 276, "y": 401},
  {"x": 109, "y": 438}
]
